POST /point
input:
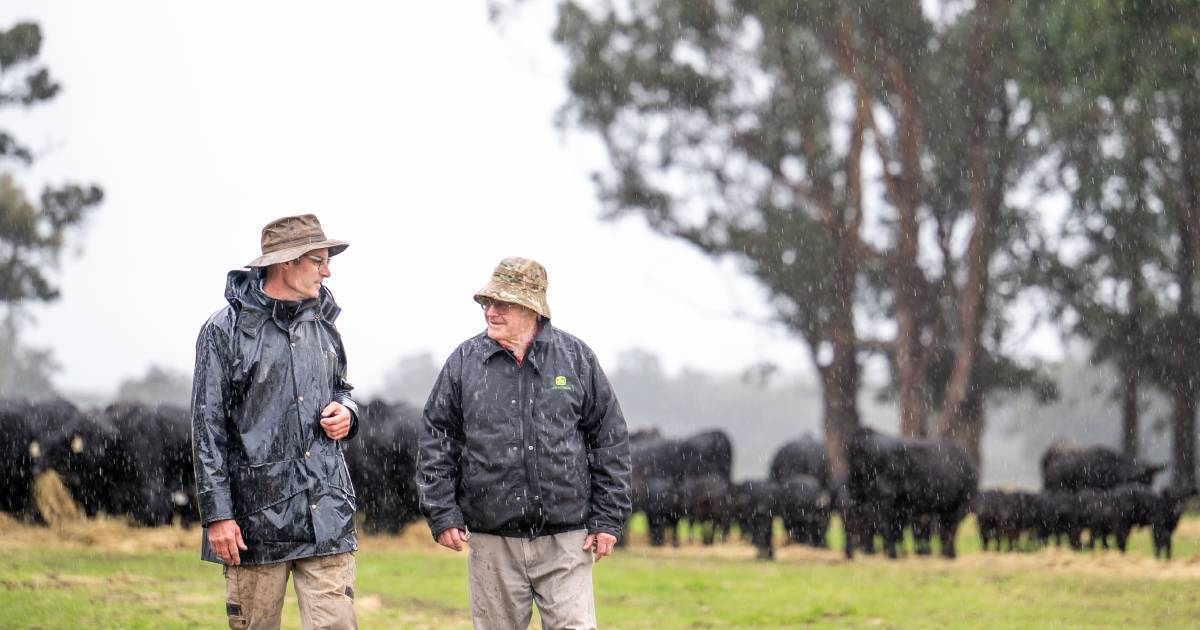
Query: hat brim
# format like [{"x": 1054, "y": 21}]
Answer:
[
  {"x": 506, "y": 292},
  {"x": 334, "y": 246}
]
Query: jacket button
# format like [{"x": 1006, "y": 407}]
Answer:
[
  {"x": 531, "y": 447},
  {"x": 314, "y": 506},
  {"x": 514, "y": 402},
  {"x": 300, "y": 399},
  {"x": 307, "y": 454}
]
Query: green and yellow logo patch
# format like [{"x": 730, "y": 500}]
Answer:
[{"x": 560, "y": 382}]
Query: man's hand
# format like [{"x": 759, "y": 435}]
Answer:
[
  {"x": 452, "y": 538},
  {"x": 601, "y": 544},
  {"x": 335, "y": 419},
  {"x": 225, "y": 538}
]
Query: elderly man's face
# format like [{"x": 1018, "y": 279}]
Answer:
[{"x": 507, "y": 322}]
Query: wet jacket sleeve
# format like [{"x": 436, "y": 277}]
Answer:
[
  {"x": 341, "y": 394},
  {"x": 439, "y": 456},
  {"x": 210, "y": 437},
  {"x": 607, "y": 442}
]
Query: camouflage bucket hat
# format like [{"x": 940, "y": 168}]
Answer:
[
  {"x": 520, "y": 281},
  {"x": 291, "y": 237}
]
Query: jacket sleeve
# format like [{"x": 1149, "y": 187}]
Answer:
[
  {"x": 341, "y": 392},
  {"x": 440, "y": 452},
  {"x": 607, "y": 443},
  {"x": 210, "y": 437}
]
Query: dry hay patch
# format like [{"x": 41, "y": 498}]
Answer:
[{"x": 97, "y": 534}]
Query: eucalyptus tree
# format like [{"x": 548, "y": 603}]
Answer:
[
  {"x": 1121, "y": 86},
  {"x": 820, "y": 143},
  {"x": 32, "y": 231}
]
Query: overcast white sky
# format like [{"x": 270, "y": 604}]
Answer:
[{"x": 419, "y": 132}]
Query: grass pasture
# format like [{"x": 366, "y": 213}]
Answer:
[{"x": 103, "y": 574}]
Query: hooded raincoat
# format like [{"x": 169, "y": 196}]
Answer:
[
  {"x": 265, "y": 369},
  {"x": 524, "y": 450}
]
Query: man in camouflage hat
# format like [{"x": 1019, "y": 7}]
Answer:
[
  {"x": 525, "y": 454},
  {"x": 270, "y": 409}
]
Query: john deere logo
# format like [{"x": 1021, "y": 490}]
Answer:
[{"x": 560, "y": 382}]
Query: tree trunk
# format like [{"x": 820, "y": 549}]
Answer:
[
  {"x": 840, "y": 378},
  {"x": 839, "y": 392},
  {"x": 1187, "y": 376},
  {"x": 962, "y": 411},
  {"x": 1183, "y": 448},
  {"x": 1129, "y": 409}
]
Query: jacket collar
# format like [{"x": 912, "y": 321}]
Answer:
[
  {"x": 537, "y": 352},
  {"x": 243, "y": 290}
]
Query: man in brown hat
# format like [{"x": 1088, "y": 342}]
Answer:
[
  {"x": 270, "y": 409},
  {"x": 525, "y": 453}
]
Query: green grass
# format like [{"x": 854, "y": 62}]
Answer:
[{"x": 419, "y": 587}]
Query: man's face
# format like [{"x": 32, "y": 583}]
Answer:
[
  {"x": 303, "y": 277},
  {"x": 507, "y": 321}
]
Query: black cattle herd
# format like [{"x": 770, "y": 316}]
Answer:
[{"x": 136, "y": 461}]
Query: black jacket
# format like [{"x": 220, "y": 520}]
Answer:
[
  {"x": 264, "y": 371},
  {"x": 524, "y": 450}
]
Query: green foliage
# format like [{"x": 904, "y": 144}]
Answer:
[{"x": 1117, "y": 83}]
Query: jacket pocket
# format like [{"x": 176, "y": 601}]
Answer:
[{"x": 259, "y": 486}]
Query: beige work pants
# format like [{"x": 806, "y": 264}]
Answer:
[
  {"x": 506, "y": 575},
  {"x": 324, "y": 589}
]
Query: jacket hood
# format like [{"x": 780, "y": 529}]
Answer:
[{"x": 243, "y": 290}]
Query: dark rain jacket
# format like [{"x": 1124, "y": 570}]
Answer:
[
  {"x": 524, "y": 450},
  {"x": 265, "y": 369}
]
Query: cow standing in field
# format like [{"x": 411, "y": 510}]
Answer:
[
  {"x": 1070, "y": 469},
  {"x": 861, "y": 518},
  {"x": 383, "y": 466},
  {"x": 756, "y": 510},
  {"x": 707, "y": 455},
  {"x": 22, "y": 448},
  {"x": 805, "y": 456},
  {"x": 804, "y": 507},
  {"x": 911, "y": 479},
  {"x": 709, "y": 505},
  {"x": 1003, "y": 516},
  {"x": 151, "y": 464}
]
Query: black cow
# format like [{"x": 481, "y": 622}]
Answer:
[
  {"x": 21, "y": 448},
  {"x": 84, "y": 451},
  {"x": 382, "y": 459},
  {"x": 1165, "y": 518},
  {"x": 805, "y": 456},
  {"x": 756, "y": 509},
  {"x": 1117, "y": 511},
  {"x": 150, "y": 464},
  {"x": 912, "y": 481},
  {"x": 1069, "y": 469},
  {"x": 862, "y": 520},
  {"x": 709, "y": 505},
  {"x": 676, "y": 460},
  {"x": 804, "y": 508},
  {"x": 1003, "y": 516},
  {"x": 662, "y": 503}
]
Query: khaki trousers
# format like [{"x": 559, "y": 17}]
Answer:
[
  {"x": 324, "y": 589},
  {"x": 506, "y": 575}
]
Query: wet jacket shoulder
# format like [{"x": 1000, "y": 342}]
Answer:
[
  {"x": 264, "y": 371},
  {"x": 524, "y": 450}
]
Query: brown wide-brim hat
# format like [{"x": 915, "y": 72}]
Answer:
[
  {"x": 519, "y": 281},
  {"x": 291, "y": 237}
]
